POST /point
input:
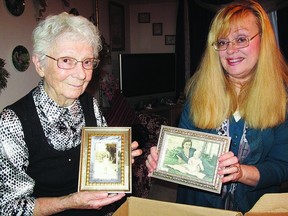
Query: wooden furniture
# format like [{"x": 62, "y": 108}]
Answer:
[{"x": 171, "y": 112}]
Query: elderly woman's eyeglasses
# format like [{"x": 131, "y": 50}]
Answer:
[
  {"x": 239, "y": 42},
  {"x": 68, "y": 63}
]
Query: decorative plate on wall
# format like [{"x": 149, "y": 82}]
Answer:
[
  {"x": 20, "y": 58},
  {"x": 15, "y": 7}
]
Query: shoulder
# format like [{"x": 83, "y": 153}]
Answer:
[
  {"x": 10, "y": 127},
  {"x": 185, "y": 118},
  {"x": 8, "y": 115}
]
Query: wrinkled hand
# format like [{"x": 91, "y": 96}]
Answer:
[
  {"x": 229, "y": 168},
  {"x": 135, "y": 152},
  {"x": 92, "y": 199},
  {"x": 151, "y": 162},
  {"x": 78, "y": 200}
]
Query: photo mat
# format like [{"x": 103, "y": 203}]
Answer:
[
  {"x": 105, "y": 159},
  {"x": 197, "y": 167}
]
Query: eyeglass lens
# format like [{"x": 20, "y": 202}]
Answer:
[
  {"x": 69, "y": 63},
  {"x": 239, "y": 42}
]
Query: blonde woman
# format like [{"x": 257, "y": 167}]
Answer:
[{"x": 239, "y": 90}]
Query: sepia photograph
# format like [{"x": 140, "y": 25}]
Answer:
[
  {"x": 190, "y": 158},
  {"x": 105, "y": 159}
]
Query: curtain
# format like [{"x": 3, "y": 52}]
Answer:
[
  {"x": 191, "y": 33},
  {"x": 282, "y": 21}
]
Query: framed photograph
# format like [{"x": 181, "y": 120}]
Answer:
[
  {"x": 170, "y": 39},
  {"x": 157, "y": 29},
  {"x": 21, "y": 58},
  {"x": 190, "y": 158},
  {"x": 117, "y": 26},
  {"x": 105, "y": 159},
  {"x": 143, "y": 17}
]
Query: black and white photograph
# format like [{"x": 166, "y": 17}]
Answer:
[{"x": 105, "y": 162}]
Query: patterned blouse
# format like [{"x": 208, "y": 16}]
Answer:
[{"x": 62, "y": 127}]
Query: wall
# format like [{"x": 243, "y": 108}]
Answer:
[
  {"x": 141, "y": 36},
  {"x": 16, "y": 31},
  {"x": 138, "y": 37}
]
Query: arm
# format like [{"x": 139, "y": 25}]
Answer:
[
  {"x": 80, "y": 200},
  {"x": 16, "y": 185},
  {"x": 270, "y": 169}
]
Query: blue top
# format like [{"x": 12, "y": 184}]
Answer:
[{"x": 268, "y": 152}]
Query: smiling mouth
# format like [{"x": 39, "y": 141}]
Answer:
[
  {"x": 76, "y": 86},
  {"x": 234, "y": 60}
]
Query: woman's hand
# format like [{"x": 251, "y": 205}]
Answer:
[
  {"x": 93, "y": 199},
  {"x": 231, "y": 170},
  {"x": 229, "y": 167},
  {"x": 152, "y": 159},
  {"x": 135, "y": 152},
  {"x": 79, "y": 200}
]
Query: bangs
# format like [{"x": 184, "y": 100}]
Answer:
[{"x": 234, "y": 17}]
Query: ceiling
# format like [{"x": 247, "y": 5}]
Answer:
[
  {"x": 150, "y": 1},
  {"x": 268, "y": 5}
]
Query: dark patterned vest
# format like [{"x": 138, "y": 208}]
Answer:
[{"x": 55, "y": 172}]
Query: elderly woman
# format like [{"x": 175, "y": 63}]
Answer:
[{"x": 41, "y": 133}]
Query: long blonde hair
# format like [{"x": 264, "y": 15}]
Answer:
[{"x": 262, "y": 100}]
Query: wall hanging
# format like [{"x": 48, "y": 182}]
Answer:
[{"x": 20, "y": 58}]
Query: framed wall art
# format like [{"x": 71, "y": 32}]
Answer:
[
  {"x": 157, "y": 29},
  {"x": 144, "y": 17},
  {"x": 170, "y": 39},
  {"x": 15, "y": 7},
  {"x": 117, "y": 26},
  {"x": 21, "y": 58},
  {"x": 199, "y": 169},
  {"x": 105, "y": 159}
]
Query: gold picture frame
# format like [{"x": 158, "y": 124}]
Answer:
[
  {"x": 200, "y": 169},
  {"x": 105, "y": 160}
]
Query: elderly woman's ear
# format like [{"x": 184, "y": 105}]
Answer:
[{"x": 38, "y": 66}]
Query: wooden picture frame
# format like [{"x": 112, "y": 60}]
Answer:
[
  {"x": 144, "y": 17},
  {"x": 105, "y": 160},
  {"x": 200, "y": 170},
  {"x": 170, "y": 39},
  {"x": 117, "y": 26},
  {"x": 157, "y": 29}
]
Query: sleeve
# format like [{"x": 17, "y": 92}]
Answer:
[
  {"x": 274, "y": 168},
  {"x": 16, "y": 186}
]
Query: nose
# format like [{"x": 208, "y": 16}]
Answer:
[
  {"x": 80, "y": 72},
  {"x": 231, "y": 47}
]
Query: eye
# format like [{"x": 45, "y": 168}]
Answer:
[
  {"x": 67, "y": 60},
  {"x": 221, "y": 43},
  {"x": 241, "y": 40},
  {"x": 88, "y": 61}
]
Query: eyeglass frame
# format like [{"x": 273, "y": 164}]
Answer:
[
  {"x": 232, "y": 41},
  {"x": 75, "y": 62}
]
